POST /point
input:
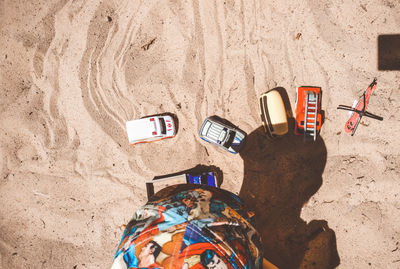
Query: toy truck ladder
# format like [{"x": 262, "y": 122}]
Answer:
[{"x": 310, "y": 121}]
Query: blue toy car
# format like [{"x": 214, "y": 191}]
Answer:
[
  {"x": 159, "y": 183},
  {"x": 204, "y": 178}
]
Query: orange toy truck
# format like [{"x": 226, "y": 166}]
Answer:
[{"x": 308, "y": 111}]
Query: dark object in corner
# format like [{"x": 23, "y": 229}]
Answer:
[{"x": 389, "y": 52}]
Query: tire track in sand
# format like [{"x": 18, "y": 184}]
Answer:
[{"x": 104, "y": 89}]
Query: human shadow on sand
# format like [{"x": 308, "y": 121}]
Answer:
[{"x": 280, "y": 176}]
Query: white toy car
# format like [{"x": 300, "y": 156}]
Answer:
[{"x": 150, "y": 129}]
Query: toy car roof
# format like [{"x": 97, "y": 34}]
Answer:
[
  {"x": 140, "y": 129},
  {"x": 273, "y": 113}
]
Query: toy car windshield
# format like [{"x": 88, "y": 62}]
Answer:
[
  {"x": 162, "y": 126},
  {"x": 229, "y": 141}
]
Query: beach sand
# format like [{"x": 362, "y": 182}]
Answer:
[{"x": 73, "y": 72}]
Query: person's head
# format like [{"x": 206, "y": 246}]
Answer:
[
  {"x": 209, "y": 259},
  {"x": 188, "y": 202},
  {"x": 151, "y": 248},
  {"x": 186, "y": 198},
  {"x": 204, "y": 196}
]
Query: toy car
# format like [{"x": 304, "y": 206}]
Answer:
[
  {"x": 308, "y": 111},
  {"x": 149, "y": 129},
  {"x": 218, "y": 133},
  {"x": 159, "y": 183},
  {"x": 273, "y": 114}
]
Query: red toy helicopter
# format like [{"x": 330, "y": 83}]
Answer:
[{"x": 359, "y": 110}]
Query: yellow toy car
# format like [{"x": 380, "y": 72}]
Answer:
[{"x": 273, "y": 114}]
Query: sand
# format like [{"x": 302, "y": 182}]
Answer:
[{"x": 73, "y": 72}]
